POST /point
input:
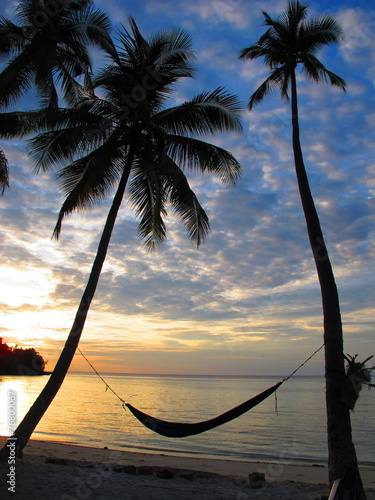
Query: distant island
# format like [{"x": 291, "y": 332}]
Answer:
[{"x": 20, "y": 361}]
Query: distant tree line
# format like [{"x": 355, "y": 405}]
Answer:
[{"x": 20, "y": 361}]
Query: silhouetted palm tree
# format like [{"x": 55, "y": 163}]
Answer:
[
  {"x": 127, "y": 138},
  {"x": 292, "y": 40},
  {"x": 49, "y": 45}
]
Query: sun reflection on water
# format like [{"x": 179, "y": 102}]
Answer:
[{"x": 84, "y": 413}]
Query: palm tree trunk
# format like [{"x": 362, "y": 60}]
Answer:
[
  {"x": 341, "y": 451},
  {"x": 34, "y": 415}
]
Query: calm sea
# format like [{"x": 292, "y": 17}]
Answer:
[{"x": 85, "y": 413}]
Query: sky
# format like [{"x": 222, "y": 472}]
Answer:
[{"x": 247, "y": 302}]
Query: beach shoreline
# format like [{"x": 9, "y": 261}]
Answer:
[{"x": 54, "y": 470}]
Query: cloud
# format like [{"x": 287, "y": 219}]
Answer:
[
  {"x": 359, "y": 43},
  {"x": 248, "y": 300},
  {"x": 211, "y": 12}
]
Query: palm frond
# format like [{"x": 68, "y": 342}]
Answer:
[
  {"x": 91, "y": 26},
  {"x": 276, "y": 79},
  {"x": 17, "y": 124},
  {"x": 191, "y": 153},
  {"x": 176, "y": 54},
  {"x": 147, "y": 196},
  {"x": 70, "y": 133},
  {"x": 15, "y": 79},
  {"x": 88, "y": 180},
  {"x": 12, "y": 38},
  {"x": 295, "y": 15},
  {"x": 319, "y": 32},
  {"x": 186, "y": 205},
  {"x": 254, "y": 51},
  {"x": 155, "y": 65},
  {"x": 316, "y": 71},
  {"x": 207, "y": 113}
]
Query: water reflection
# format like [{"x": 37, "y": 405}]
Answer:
[
  {"x": 25, "y": 389},
  {"x": 83, "y": 412}
]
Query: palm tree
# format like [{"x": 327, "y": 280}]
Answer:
[
  {"x": 49, "y": 45},
  {"x": 129, "y": 139},
  {"x": 292, "y": 40}
]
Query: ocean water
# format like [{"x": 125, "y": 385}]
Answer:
[{"x": 290, "y": 427}]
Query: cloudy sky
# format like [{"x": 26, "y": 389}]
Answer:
[{"x": 247, "y": 301}]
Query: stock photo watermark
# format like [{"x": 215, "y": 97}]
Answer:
[
  {"x": 86, "y": 485},
  {"x": 267, "y": 473},
  {"x": 11, "y": 442}
]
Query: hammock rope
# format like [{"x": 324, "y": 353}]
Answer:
[
  {"x": 302, "y": 364},
  {"x": 180, "y": 429},
  {"x": 107, "y": 386}
]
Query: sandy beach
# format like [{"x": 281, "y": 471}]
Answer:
[{"x": 50, "y": 470}]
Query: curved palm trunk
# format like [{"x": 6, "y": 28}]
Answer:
[
  {"x": 341, "y": 452},
  {"x": 34, "y": 415}
]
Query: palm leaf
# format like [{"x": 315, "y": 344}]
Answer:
[
  {"x": 88, "y": 180},
  {"x": 17, "y": 124},
  {"x": 147, "y": 196},
  {"x": 12, "y": 38},
  {"x": 319, "y": 32},
  {"x": 76, "y": 133},
  {"x": 185, "y": 203},
  {"x": 199, "y": 155},
  {"x": 15, "y": 79},
  {"x": 207, "y": 113},
  {"x": 315, "y": 70},
  {"x": 276, "y": 79}
]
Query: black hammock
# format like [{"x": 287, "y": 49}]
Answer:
[{"x": 179, "y": 430}]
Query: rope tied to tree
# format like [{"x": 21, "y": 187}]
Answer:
[
  {"x": 107, "y": 386},
  {"x": 302, "y": 364},
  {"x": 295, "y": 371}
]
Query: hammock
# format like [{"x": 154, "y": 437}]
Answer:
[{"x": 179, "y": 430}]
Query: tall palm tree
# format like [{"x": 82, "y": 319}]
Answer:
[
  {"x": 129, "y": 139},
  {"x": 291, "y": 41},
  {"x": 49, "y": 46}
]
